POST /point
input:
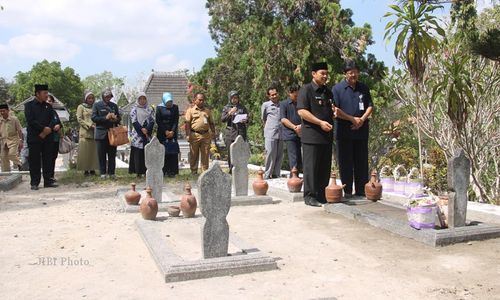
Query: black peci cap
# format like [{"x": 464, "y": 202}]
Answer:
[
  {"x": 319, "y": 66},
  {"x": 41, "y": 87}
]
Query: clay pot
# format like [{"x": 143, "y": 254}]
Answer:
[
  {"x": 373, "y": 189},
  {"x": 333, "y": 192},
  {"x": 173, "y": 211},
  {"x": 259, "y": 185},
  {"x": 295, "y": 183},
  {"x": 149, "y": 206},
  {"x": 188, "y": 202},
  {"x": 132, "y": 197}
]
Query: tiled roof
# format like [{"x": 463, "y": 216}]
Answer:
[{"x": 175, "y": 83}]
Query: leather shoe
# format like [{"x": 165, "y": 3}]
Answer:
[
  {"x": 348, "y": 196},
  {"x": 34, "y": 187},
  {"x": 50, "y": 185},
  {"x": 313, "y": 202}
]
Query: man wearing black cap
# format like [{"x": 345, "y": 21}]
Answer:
[
  {"x": 353, "y": 104},
  {"x": 40, "y": 125},
  {"x": 233, "y": 129},
  {"x": 314, "y": 106}
]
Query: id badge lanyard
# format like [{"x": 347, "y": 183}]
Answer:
[{"x": 361, "y": 103}]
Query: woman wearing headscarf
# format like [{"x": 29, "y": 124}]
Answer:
[
  {"x": 105, "y": 114},
  {"x": 141, "y": 117},
  {"x": 87, "y": 147},
  {"x": 167, "y": 118},
  {"x": 55, "y": 142},
  {"x": 229, "y": 112}
]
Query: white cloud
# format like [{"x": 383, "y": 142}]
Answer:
[
  {"x": 133, "y": 30},
  {"x": 169, "y": 63},
  {"x": 38, "y": 47}
]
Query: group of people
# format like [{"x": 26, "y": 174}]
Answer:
[{"x": 307, "y": 121}]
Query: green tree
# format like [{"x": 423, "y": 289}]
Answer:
[
  {"x": 263, "y": 43},
  {"x": 64, "y": 83},
  {"x": 98, "y": 82},
  {"x": 4, "y": 90},
  {"x": 414, "y": 25}
]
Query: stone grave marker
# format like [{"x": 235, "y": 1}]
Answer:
[
  {"x": 215, "y": 199},
  {"x": 154, "y": 156},
  {"x": 240, "y": 154},
  {"x": 458, "y": 183}
]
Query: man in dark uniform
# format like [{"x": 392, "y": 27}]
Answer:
[
  {"x": 290, "y": 128},
  {"x": 40, "y": 127},
  {"x": 353, "y": 106},
  {"x": 315, "y": 108},
  {"x": 229, "y": 113}
]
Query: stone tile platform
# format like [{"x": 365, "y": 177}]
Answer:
[
  {"x": 392, "y": 217},
  {"x": 175, "y": 244},
  {"x": 168, "y": 198},
  {"x": 9, "y": 182}
]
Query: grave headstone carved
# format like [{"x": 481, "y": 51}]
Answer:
[
  {"x": 458, "y": 183},
  {"x": 215, "y": 201},
  {"x": 154, "y": 154},
  {"x": 240, "y": 154}
]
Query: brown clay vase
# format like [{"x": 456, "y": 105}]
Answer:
[
  {"x": 295, "y": 183},
  {"x": 149, "y": 206},
  {"x": 259, "y": 185},
  {"x": 373, "y": 189},
  {"x": 132, "y": 197},
  {"x": 188, "y": 202},
  {"x": 333, "y": 192}
]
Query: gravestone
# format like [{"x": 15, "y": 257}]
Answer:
[
  {"x": 215, "y": 201},
  {"x": 155, "y": 156},
  {"x": 458, "y": 183},
  {"x": 240, "y": 154}
]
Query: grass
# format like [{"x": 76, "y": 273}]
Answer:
[{"x": 73, "y": 176}]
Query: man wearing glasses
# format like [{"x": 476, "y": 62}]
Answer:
[{"x": 353, "y": 106}]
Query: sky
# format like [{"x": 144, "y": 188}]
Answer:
[{"x": 130, "y": 37}]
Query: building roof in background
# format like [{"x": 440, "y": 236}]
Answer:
[
  {"x": 58, "y": 106},
  {"x": 173, "y": 82}
]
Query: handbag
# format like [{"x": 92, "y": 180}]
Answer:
[
  {"x": 66, "y": 145},
  {"x": 118, "y": 136},
  {"x": 171, "y": 147}
]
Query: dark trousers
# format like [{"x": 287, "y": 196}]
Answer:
[
  {"x": 40, "y": 157},
  {"x": 294, "y": 150},
  {"x": 105, "y": 150},
  {"x": 353, "y": 164},
  {"x": 317, "y": 168},
  {"x": 55, "y": 153},
  {"x": 137, "y": 163},
  {"x": 228, "y": 141},
  {"x": 171, "y": 165}
]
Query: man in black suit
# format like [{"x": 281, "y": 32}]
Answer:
[{"x": 40, "y": 130}]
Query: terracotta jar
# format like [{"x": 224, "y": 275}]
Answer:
[
  {"x": 333, "y": 192},
  {"x": 373, "y": 189},
  {"x": 132, "y": 197},
  {"x": 149, "y": 206},
  {"x": 259, "y": 185},
  {"x": 295, "y": 183},
  {"x": 188, "y": 202},
  {"x": 173, "y": 211}
]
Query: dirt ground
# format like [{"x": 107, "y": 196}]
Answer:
[{"x": 97, "y": 253}]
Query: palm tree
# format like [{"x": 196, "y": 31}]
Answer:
[{"x": 414, "y": 26}]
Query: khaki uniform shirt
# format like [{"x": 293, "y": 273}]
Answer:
[
  {"x": 199, "y": 119},
  {"x": 9, "y": 131}
]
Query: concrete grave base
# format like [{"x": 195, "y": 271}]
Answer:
[
  {"x": 285, "y": 195},
  {"x": 168, "y": 198},
  {"x": 243, "y": 258},
  {"x": 252, "y": 200},
  {"x": 10, "y": 181},
  {"x": 393, "y": 218}
]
